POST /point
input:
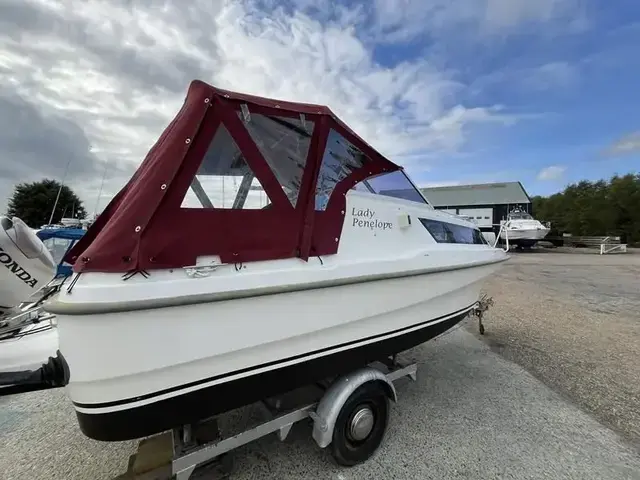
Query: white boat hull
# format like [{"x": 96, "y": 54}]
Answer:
[
  {"x": 30, "y": 349},
  {"x": 210, "y": 344},
  {"x": 522, "y": 229},
  {"x": 531, "y": 235}
]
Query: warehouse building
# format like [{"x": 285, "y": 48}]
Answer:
[{"x": 487, "y": 203}]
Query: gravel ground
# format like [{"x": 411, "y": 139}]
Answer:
[
  {"x": 40, "y": 440},
  {"x": 573, "y": 321}
]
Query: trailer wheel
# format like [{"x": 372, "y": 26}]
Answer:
[{"x": 361, "y": 425}]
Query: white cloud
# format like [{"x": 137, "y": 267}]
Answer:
[
  {"x": 629, "y": 143},
  {"x": 119, "y": 71},
  {"x": 559, "y": 76},
  {"x": 402, "y": 20},
  {"x": 553, "y": 172},
  {"x": 551, "y": 75}
]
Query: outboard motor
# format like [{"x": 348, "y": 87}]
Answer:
[
  {"x": 25, "y": 263},
  {"x": 26, "y": 266}
]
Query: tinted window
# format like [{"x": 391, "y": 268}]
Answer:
[
  {"x": 395, "y": 184},
  {"x": 445, "y": 232},
  {"x": 362, "y": 187},
  {"x": 437, "y": 230}
]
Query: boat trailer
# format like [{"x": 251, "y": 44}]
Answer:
[{"x": 349, "y": 413}]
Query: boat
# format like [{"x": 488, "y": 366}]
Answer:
[
  {"x": 522, "y": 229},
  {"x": 26, "y": 267},
  {"x": 59, "y": 241},
  {"x": 28, "y": 336},
  {"x": 261, "y": 245}
]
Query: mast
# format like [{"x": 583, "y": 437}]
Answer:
[
  {"x": 104, "y": 175},
  {"x": 55, "y": 204}
]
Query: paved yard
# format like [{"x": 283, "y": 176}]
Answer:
[{"x": 573, "y": 321}]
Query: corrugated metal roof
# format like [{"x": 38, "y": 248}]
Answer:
[{"x": 480, "y": 194}]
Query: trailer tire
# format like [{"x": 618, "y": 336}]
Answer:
[{"x": 351, "y": 445}]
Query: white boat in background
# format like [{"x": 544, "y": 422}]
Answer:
[
  {"x": 522, "y": 229},
  {"x": 70, "y": 222},
  {"x": 35, "y": 270},
  {"x": 336, "y": 261},
  {"x": 26, "y": 267}
]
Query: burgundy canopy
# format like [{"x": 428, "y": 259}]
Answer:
[{"x": 146, "y": 225}]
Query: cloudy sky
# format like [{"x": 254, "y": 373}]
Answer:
[{"x": 545, "y": 91}]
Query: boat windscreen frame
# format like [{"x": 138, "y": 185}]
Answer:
[{"x": 519, "y": 215}]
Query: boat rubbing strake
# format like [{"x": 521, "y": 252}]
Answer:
[{"x": 261, "y": 245}]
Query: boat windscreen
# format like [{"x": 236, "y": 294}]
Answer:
[
  {"x": 520, "y": 216},
  {"x": 58, "y": 247},
  {"x": 394, "y": 184}
]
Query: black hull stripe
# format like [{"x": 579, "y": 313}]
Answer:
[
  {"x": 189, "y": 407},
  {"x": 263, "y": 365}
]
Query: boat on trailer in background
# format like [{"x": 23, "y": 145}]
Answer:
[
  {"x": 521, "y": 230},
  {"x": 27, "y": 334},
  {"x": 262, "y": 245}
]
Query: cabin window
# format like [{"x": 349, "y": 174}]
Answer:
[
  {"x": 284, "y": 144},
  {"x": 445, "y": 232},
  {"x": 224, "y": 179},
  {"x": 340, "y": 159},
  {"x": 394, "y": 184}
]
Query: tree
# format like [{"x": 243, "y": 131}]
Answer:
[
  {"x": 595, "y": 208},
  {"x": 33, "y": 203}
]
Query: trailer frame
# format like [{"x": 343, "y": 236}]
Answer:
[{"x": 178, "y": 453}]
